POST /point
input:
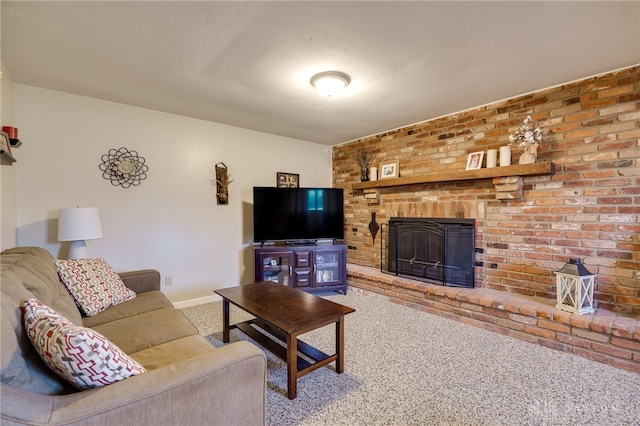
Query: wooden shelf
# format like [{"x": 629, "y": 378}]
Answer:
[{"x": 545, "y": 168}]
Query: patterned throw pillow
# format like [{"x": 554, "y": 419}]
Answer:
[
  {"x": 82, "y": 356},
  {"x": 93, "y": 284}
]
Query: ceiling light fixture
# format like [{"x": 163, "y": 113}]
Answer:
[{"x": 330, "y": 83}]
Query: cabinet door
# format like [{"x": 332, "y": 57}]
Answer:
[
  {"x": 275, "y": 266},
  {"x": 327, "y": 268}
]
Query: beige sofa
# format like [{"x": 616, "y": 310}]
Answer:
[{"x": 188, "y": 381}]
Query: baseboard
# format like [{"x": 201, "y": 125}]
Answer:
[{"x": 197, "y": 301}]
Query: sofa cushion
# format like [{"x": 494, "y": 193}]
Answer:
[
  {"x": 173, "y": 352},
  {"x": 93, "y": 284},
  {"x": 29, "y": 273},
  {"x": 33, "y": 269},
  {"x": 144, "y": 302},
  {"x": 138, "y": 332},
  {"x": 82, "y": 356}
]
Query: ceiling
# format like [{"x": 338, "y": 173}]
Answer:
[{"x": 248, "y": 64}]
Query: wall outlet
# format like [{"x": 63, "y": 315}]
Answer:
[{"x": 168, "y": 281}]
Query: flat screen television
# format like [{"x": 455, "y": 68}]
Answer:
[{"x": 297, "y": 214}]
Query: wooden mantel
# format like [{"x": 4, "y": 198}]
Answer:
[
  {"x": 544, "y": 168},
  {"x": 507, "y": 180}
]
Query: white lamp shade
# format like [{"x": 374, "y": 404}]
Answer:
[{"x": 79, "y": 224}]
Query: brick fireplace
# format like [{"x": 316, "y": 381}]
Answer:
[{"x": 526, "y": 225}]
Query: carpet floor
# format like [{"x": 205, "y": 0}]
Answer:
[{"x": 406, "y": 367}]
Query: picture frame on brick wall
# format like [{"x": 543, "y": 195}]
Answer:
[
  {"x": 474, "y": 160},
  {"x": 389, "y": 170}
]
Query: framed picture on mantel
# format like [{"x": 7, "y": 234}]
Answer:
[
  {"x": 474, "y": 161},
  {"x": 389, "y": 170}
]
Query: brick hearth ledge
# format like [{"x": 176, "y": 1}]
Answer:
[{"x": 604, "y": 336}]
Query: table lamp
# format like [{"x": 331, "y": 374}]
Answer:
[{"x": 77, "y": 225}]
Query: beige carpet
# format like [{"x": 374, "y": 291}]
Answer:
[{"x": 406, "y": 367}]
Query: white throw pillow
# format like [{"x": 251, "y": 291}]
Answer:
[
  {"x": 93, "y": 284},
  {"x": 82, "y": 356}
]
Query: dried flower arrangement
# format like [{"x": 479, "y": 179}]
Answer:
[
  {"x": 528, "y": 136},
  {"x": 363, "y": 158},
  {"x": 529, "y": 133}
]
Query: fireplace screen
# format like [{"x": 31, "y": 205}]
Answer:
[{"x": 436, "y": 250}]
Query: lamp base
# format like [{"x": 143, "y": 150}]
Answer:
[{"x": 78, "y": 250}]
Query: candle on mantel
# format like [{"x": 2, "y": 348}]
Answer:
[
  {"x": 492, "y": 158},
  {"x": 505, "y": 155}
]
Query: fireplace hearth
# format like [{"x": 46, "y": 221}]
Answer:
[{"x": 435, "y": 250}]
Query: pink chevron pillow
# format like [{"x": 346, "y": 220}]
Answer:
[
  {"x": 93, "y": 284},
  {"x": 80, "y": 355}
]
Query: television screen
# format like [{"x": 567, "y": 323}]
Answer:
[{"x": 293, "y": 214}]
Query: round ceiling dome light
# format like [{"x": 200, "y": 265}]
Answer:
[{"x": 330, "y": 83}]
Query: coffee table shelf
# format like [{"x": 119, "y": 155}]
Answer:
[
  {"x": 286, "y": 313},
  {"x": 279, "y": 348}
]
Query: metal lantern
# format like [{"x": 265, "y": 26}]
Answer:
[{"x": 575, "y": 288}]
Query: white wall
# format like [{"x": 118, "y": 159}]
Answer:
[{"x": 171, "y": 222}]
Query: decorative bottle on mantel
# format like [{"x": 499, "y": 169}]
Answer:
[{"x": 373, "y": 227}]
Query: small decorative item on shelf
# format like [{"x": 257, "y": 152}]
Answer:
[
  {"x": 363, "y": 158},
  {"x": 222, "y": 181},
  {"x": 12, "y": 132},
  {"x": 374, "y": 227},
  {"x": 527, "y": 137}
]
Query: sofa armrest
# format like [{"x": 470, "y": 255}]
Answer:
[
  {"x": 226, "y": 386},
  {"x": 141, "y": 281}
]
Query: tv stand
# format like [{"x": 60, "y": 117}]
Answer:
[{"x": 318, "y": 266}]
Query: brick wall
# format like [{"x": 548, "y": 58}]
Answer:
[{"x": 590, "y": 207}]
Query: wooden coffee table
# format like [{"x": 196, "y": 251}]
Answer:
[{"x": 286, "y": 313}]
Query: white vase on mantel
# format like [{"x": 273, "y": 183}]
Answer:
[{"x": 530, "y": 154}]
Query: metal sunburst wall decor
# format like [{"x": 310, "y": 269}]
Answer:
[{"x": 123, "y": 167}]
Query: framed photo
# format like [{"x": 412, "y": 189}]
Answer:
[
  {"x": 474, "y": 161},
  {"x": 287, "y": 180},
  {"x": 5, "y": 145},
  {"x": 5, "y": 149},
  {"x": 389, "y": 170}
]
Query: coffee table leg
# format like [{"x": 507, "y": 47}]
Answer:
[
  {"x": 340, "y": 345},
  {"x": 292, "y": 366},
  {"x": 225, "y": 320}
]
